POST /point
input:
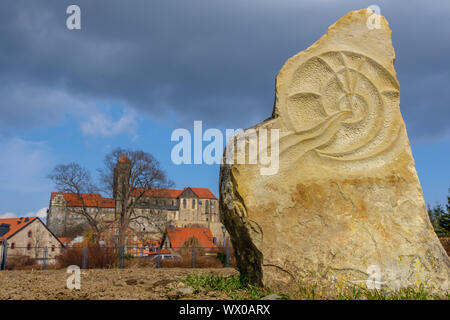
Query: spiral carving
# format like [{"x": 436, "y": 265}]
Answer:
[{"x": 343, "y": 105}]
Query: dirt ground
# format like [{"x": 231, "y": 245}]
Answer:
[{"x": 135, "y": 284}]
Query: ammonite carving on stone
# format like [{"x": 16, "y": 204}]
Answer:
[
  {"x": 346, "y": 196},
  {"x": 341, "y": 101}
]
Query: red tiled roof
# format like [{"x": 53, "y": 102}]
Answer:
[
  {"x": 178, "y": 236},
  {"x": 203, "y": 193},
  {"x": 65, "y": 240},
  {"x": 154, "y": 252},
  {"x": 152, "y": 243},
  {"x": 157, "y": 193},
  {"x": 15, "y": 224},
  {"x": 90, "y": 200},
  {"x": 96, "y": 200}
]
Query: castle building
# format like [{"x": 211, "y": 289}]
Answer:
[{"x": 155, "y": 209}]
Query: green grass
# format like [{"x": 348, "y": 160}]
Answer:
[
  {"x": 234, "y": 286},
  {"x": 410, "y": 293},
  {"x": 355, "y": 293},
  {"x": 237, "y": 287},
  {"x": 309, "y": 293}
]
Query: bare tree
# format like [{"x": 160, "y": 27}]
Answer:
[
  {"x": 139, "y": 173},
  {"x": 154, "y": 218},
  {"x": 38, "y": 242},
  {"x": 72, "y": 178}
]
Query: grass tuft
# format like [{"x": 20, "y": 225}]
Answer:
[
  {"x": 234, "y": 286},
  {"x": 237, "y": 287},
  {"x": 409, "y": 293}
]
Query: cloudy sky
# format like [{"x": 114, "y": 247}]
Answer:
[{"x": 139, "y": 69}]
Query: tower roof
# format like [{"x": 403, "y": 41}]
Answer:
[{"x": 124, "y": 158}]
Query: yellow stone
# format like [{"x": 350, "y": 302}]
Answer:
[{"x": 346, "y": 203}]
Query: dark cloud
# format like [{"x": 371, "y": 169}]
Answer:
[{"x": 200, "y": 59}]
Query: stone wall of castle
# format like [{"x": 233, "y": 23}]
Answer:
[{"x": 66, "y": 221}]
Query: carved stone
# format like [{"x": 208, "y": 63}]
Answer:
[{"x": 346, "y": 205}]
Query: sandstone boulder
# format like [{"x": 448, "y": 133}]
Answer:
[{"x": 345, "y": 207}]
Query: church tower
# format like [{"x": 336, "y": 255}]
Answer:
[{"x": 122, "y": 173}]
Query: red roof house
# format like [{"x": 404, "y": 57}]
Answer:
[
  {"x": 9, "y": 227},
  {"x": 28, "y": 236},
  {"x": 177, "y": 237}
]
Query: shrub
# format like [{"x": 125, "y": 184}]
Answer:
[
  {"x": 140, "y": 263},
  {"x": 446, "y": 244},
  {"x": 21, "y": 262},
  {"x": 208, "y": 262},
  {"x": 184, "y": 262},
  {"x": 128, "y": 256},
  {"x": 97, "y": 257},
  {"x": 222, "y": 256}
]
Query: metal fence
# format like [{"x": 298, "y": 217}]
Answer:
[{"x": 97, "y": 256}]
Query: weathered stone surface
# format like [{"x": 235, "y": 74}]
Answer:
[
  {"x": 271, "y": 297},
  {"x": 185, "y": 291},
  {"x": 346, "y": 202}
]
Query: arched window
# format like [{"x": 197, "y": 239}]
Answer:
[
  {"x": 13, "y": 245},
  {"x": 53, "y": 247},
  {"x": 184, "y": 203},
  {"x": 30, "y": 233},
  {"x": 193, "y": 203},
  {"x": 29, "y": 246}
]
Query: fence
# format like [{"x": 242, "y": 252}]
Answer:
[{"x": 97, "y": 256}]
